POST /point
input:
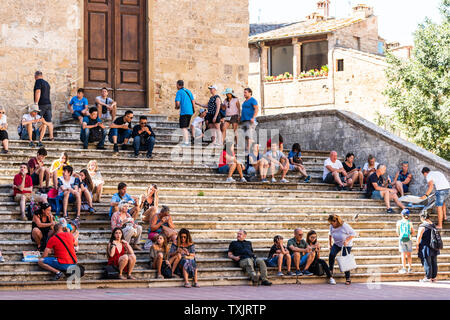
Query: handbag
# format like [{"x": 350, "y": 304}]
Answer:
[
  {"x": 166, "y": 270},
  {"x": 110, "y": 272},
  {"x": 80, "y": 267},
  {"x": 346, "y": 263}
]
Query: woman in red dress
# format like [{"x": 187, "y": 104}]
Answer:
[{"x": 120, "y": 254}]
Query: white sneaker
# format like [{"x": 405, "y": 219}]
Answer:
[
  {"x": 243, "y": 180},
  {"x": 331, "y": 281},
  {"x": 402, "y": 271},
  {"x": 274, "y": 180},
  {"x": 409, "y": 270},
  {"x": 425, "y": 280},
  {"x": 284, "y": 180},
  {"x": 230, "y": 179}
]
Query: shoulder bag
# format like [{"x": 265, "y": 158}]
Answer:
[
  {"x": 347, "y": 262},
  {"x": 81, "y": 267}
]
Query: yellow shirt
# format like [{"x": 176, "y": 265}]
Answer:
[{"x": 57, "y": 164}]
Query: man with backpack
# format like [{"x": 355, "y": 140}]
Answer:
[
  {"x": 184, "y": 101},
  {"x": 405, "y": 230},
  {"x": 93, "y": 130}
]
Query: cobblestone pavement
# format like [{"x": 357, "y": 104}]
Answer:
[{"x": 357, "y": 291}]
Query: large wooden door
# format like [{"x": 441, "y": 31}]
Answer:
[{"x": 115, "y": 45}]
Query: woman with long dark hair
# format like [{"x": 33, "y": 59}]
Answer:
[
  {"x": 159, "y": 252},
  {"x": 182, "y": 257},
  {"x": 228, "y": 163},
  {"x": 87, "y": 187},
  {"x": 120, "y": 254},
  {"x": 317, "y": 264}
]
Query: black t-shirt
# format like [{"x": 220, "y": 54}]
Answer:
[
  {"x": 144, "y": 135},
  {"x": 273, "y": 250},
  {"x": 373, "y": 179},
  {"x": 120, "y": 121},
  {"x": 347, "y": 168},
  {"x": 43, "y": 85},
  {"x": 242, "y": 249}
]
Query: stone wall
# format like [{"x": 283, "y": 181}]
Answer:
[
  {"x": 345, "y": 131},
  {"x": 202, "y": 42},
  {"x": 44, "y": 36}
]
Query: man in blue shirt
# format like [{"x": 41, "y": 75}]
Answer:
[
  {"x": 184, "y": 101},
  {"x": 91, "y": 124},
  {"x": 78, "y": 106},
  {"x": 250, "y": 110},
  {"x": 122, "y": 195}
]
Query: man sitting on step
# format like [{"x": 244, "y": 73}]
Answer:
[
  {"x": 241, "y": 251},
  {"x": 334, "y": 172},
  {"x": 78, "y": 106},
  {"x": 62, "y": 245},
  {"x": 120, "y": 130},
  {"x": 143, "y": 137},
  {"x": 106, "y": 106},
  {"x": 122, "y": 195},
  {"x": 93, "y": 129}
]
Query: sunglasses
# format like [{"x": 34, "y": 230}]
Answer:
[{"x": 1, "y": 112}]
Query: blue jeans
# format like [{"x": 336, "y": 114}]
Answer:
[
  {"x": 335, "y": 249},
  {"x": 148, "y": 145},
  {"x": 441, "y": 195},
  {"x": 53, "y": 262},
  {"x": 35, "y": 132},
  {"x": 120, "y": 137},
  {"x": 431, "y": 267},
  {"x": 59, "y": 201},
  {"x": 84, "y": 137}
]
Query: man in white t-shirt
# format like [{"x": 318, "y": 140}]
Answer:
[
  {"x": 106, "y": 106},
  {"x": 440, "y": 182},
  {"x": 197, "y": 125},
  {"x": 33, "y": 126},
  {"x": 333, "y": 171}
]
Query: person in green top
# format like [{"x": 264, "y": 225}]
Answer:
[
  {"x": 299, "y": 250},
  {"x": 405, "y": 230}
]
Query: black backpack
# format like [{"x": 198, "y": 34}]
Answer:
[
  {"x": 316, "y": 268},
  {"x": 435, "y": 240},
  {"x": 95, "y": 134},
  {"x": 166, "y": 270}
]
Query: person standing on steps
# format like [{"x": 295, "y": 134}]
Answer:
[
  {"x": 241, "y": 251},
  {"x": 440, "y": 182},
  {"x": 143, "y": 137},
  {"x": 404, "y": 231},
  {"x": 377, "y": 190},
  {"x": 42, "y": 100},
  {"x": 78, "y": 106},
  {"x": 185, "y": 102},
  {"x": 3, "y": 128},
  {"x": 120, "y": 131},
  {"x": 61, "y": 259},
  {"x": 249, "y": 112},
  {"x": 427, "y": 255},
  {"x": 213, "y": 117},
  {"x": 232, "y": 114},
  {"x": 107, "y": 107},
  {"x": 340, "y": 238},
  {"x": 93, "y": 129}
]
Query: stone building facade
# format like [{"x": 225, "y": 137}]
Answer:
[
  {"x": 350, "y": 47},
  {"x": 92, "y": 43}
]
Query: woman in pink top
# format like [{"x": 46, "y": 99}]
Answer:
[{"x": 233, "y": 113}]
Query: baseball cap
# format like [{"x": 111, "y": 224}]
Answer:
[
  {"x": 201, "y": 111},
  {"x": 45, "y": 206},
  {"x": 405, "y": 212},
  {"x": 213, "y": 87}
]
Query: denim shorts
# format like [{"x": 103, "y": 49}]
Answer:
[
  {"x": 251, "y": 171},
  {"x": 224, "y": 169},
  {"x": 273, "y": 262},
  {"x": 77, "y": 114},
  {"x": 53, "y": 262},
  {"x": 405, "y": 246},
  {"x": 441, "y": 195},
  {"x": 303, "y": 259},
  {"x": 376, "y": 195}
]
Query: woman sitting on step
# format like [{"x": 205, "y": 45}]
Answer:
[
  {"x": 87, "y": 187},
  {"x": 97, "y": 180},
  {"x": 56, "y": 170},
  {"x": 319, "y": 266},
  {"x": 159, "y": 254},
  {"x": 162, "y": 223},
  {"x": 149, "y": 203},
  {"x": 42, "y": 226},
  {"x": 131, "y": 231},
  {"x": 182, "y": 257},
  {"x": 120, "y": 254}
]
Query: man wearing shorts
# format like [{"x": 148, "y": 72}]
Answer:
[
  {"x": 405, "y": 230},
  {"x": 42, "y": 99},
  {"x": 184, "y": 101},
  {"x": 248, "y": 117},
  {"x": 62, "y": 259},
  {"x": 438, "y": 180}
]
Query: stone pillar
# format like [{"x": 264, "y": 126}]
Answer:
[
  {"x": 296, "y": 63},
  {"x": 263, "y": 73}
]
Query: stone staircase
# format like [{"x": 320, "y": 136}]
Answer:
[{"x": 210, "y": 208}]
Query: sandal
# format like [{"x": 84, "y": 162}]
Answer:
[
  {"x": 196, "y": 285},
  {"x": 187, "y": 285},
  {"x": 122, "y": 277},
  {"x": 348, "y": 282},
  {"x": 131, "y": 277}
]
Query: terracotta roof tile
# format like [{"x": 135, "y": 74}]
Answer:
[{"x": 304, "y": 28}]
